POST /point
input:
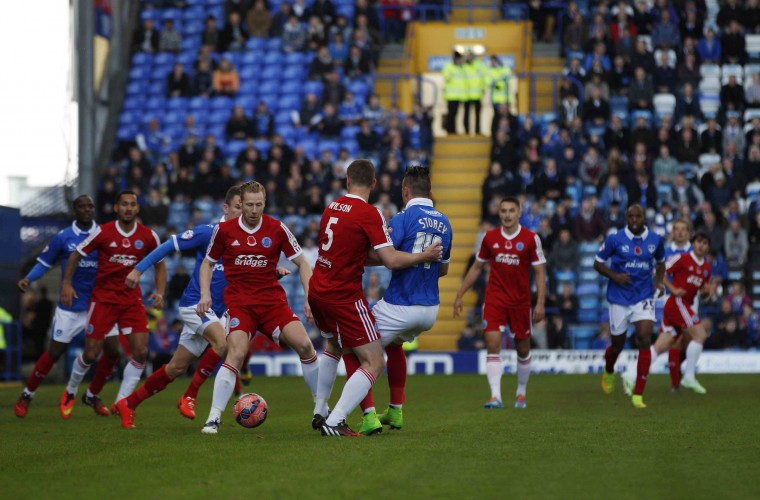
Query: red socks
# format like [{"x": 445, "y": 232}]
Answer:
[
  {"x": 674, "y": 364},
  {"x": 396, "y": 373},
  {"x": 157, "y": 382},
  {"x": 41, "y": 369},
  {"x": 103, "y": 372},
  {"x": 610, "y": 359},
  {"x": 206, "y": 367},
  {"x": 642, "y": 370}
]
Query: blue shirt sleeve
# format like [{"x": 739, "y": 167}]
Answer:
[
  {"x": 52, "y": 252},
  {"x": 150, "y": 260},
  {"x": 447, "y": 245},
  {"x": 37, "y": 272},
  {"x": 397, "y": 229},
  {"x": 659, "y": 253},
  {"x": 607, "y": 249}
]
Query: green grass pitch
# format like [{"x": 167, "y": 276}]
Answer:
[{"x": 571, "y": 442}]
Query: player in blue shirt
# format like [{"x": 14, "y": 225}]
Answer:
[
  {"x": 632, "y": 253},
  {"x": 410, "y": 305},
  {"x": 68, "y": 322},
  {"x": 198, "y": 332}
]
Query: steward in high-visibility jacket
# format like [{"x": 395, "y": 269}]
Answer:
[
  {"x": 455, "y": 90},
  {"x": 477, "y": 75},
  {"x": 499, "y": 77}
]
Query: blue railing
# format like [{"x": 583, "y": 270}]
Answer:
[{"x": 12, "y": 352}]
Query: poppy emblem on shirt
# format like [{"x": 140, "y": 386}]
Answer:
[
  {"x": 508, "y": 245},
  {"x": 138, "y": 244},
  {"x": 251, "y": 241},
  {"x": 637, "y": 250},
  {"x": 267, "y": 242},
  {"x": 126, "y": 243},
  {"x": 519, "y": 246}
]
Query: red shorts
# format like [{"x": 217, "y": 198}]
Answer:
[
  {"x": 498, "y": 318},
  {"x": 102, "y": 316},
  {"x": 268, "y": 319},
  {"x": 353, "y": 322},
  {"x": 677, "y": 316}
]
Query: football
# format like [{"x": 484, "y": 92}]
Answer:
[{"x": 250, "y": 410}]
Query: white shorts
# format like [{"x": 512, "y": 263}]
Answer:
[
  {"x": 194, "y": 326},
  {"x": 402, "y": 322},
  {"x": 69, "y": 324},
  {"x": 621, "y": 316}
]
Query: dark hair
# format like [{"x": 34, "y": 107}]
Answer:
[
  {"x": 78, "y": 198},
  {"x": 361, "y": 173},
  {"x": 635, "y": 205},
  {"x": 231, "y": 193},
  {"x": 511, "y": 199},
  {"x": 417, "y": 179},
  {"x": 124, "y": 193},
  {"x": 700, "y": 235}
]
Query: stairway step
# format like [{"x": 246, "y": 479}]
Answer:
[
  {"x": 458, "y": 209},
  {"x": 451, "y": 193},
  {"x": 464, "y": 148}
]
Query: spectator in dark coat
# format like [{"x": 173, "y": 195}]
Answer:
[
  {"x": 146, "y": 38},
  {"x": 589, "y": 225}
]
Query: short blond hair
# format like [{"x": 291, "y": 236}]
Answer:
[{"x": 252, "y": 187}]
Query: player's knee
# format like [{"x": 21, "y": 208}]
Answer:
[
  {"x": 174, "y": 369},
  {"x": 140, "y": 354}
]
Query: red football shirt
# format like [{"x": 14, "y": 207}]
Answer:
[
  {"x": 250, "y": 259},
  {"x": 349, "y": 228},
  {"x": 510, "y": 258},
  {"x": 118, "y": 253},
  {"x": 688, "y": 273}
]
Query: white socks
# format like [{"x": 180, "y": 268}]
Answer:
[
  {"x": 328, "y": 369},
  {"x": 353, "y": 392},
  {"x": 224, "y": 385},
  {"x": 693, "y": 351},
  {"x": 310, "y": 369},
  {"x": 78, "y": 371},
  {"x": 494, "y": 371},
  {"x": 131, "y": 377},
  {"x": 523, "y": 374}
]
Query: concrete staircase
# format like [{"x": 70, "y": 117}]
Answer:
[
  {"x": 482, "y": 12},
  {"x": 545, "y": 63},
  {"x": 391, "y": 62},
  {"x": 458, "y": 169}
]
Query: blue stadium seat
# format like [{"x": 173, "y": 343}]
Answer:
[
  {"x": 177, "y": 103},
  {"x": 283, "y": 118},
  {"x": 588, "y": 315},
  {"x": 248, "y": 103},
  {"x": 129, "y": 118},
  {"x": 358, "y": 87},
  {"x": 249, "y": 74},
  {"x": 253, "y": 58},
  {"x": 157, "y": 88},
  {"x": 349, "y": 132},
  {"x": 274, "y": 44},
  {"x": 309, "y": 146},
  {"x": 273, "y": 59},
  {"x": 294, "y": 74},
  {"x": 589, "y": 191},
  {"x": 249, "y": 88},
  {"x": 257, "y": 44},
  {"x": 566, "y": 276},
  {"x": 288, "y": 134},
  {"x": 313, "y": 88},
  {"x": 272, "y": 101},
  {"x": 289, "y": 102},
  {"x": 192, "y": 29},
  {"x": 126, "y": 132},
  {"x": 345, "y": 10},
  {"x": 219, "y": 116},
  {"x": 190, "y": 45},
  {"x": 587, "y": 289},
  {"x": 234, "y": 148},
  {"x": 176, "y": 117},
  {"x": 329, "y": 144},
  {"x": 589, "y": 247},
  {"x": 164, "y": 59},
  {"x": 295, "y": 58},
  {"x": 351, "y": 146},
  {"x": 155, "y": 105},
  {"x": 194, "y": 12},
  {"x": 198, "y": 104},
  {"x": 217, "y": 130},
  {"x": 291, "y": 87},
  {"x": 138, "y": 73},
  {"x": 233, "y": 57},
  {"x": 221, "y": 103},
  {"x": 142, "y": 59},
  {"x": 134, "y": 103},
  {"x": 263, "y": 145},
  {"x": 271, "y": 73}
]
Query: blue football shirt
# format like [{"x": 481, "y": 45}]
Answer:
[
  {"x": 636, "y": 256},
  {"x": 60, "y": 248},
  {"x": 198, "y": 239},
  {"x": 412, "y": 230}
]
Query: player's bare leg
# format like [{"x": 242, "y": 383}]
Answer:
[
  {"x": 694, "y": 348},
  {"x": 328, "y": 368},
  {"x": 610, "y": 358},
  {"x": 522, "y": 346},
  {"x": 92, "y": 350},
  {"x": 237, "y": 351},
  {"x": 494, "y": 368},
  {"x": 644, "y": 330},
  {"x": 294, "y": 335},
  {"x": 41, "y": 369},
  {"x": 371, "y": 366},
  {"x": 216, "y": 336}
]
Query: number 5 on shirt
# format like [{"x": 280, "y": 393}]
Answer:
[{"x": 329, "y": 231}]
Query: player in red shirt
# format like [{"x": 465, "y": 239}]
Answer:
[
  {"x": 510, "y": 250},
  {"x": 690, "y": 274},
  {"x": 349, "y": 229},
  {"x": 120, "y": 245},
  {"x": 250, "y": 248}
]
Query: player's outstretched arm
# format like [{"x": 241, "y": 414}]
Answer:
[
  {"x": 165, "y": 249},
  {"x": 204, "y": 276},
  {"x": 539, "y": 312},
  {"x": 37, "y": 272},
  {"x": 469, "y": 279},
  {"x": 158, "y": 296},
  {"x": 67, "y": 291},
  {"x": 394, "y": 259}
]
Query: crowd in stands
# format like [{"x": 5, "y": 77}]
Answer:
[{"x": 658, "y": 105}]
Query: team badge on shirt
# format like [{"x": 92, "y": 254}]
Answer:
[
  {"x": 138, "y": 244},
  {"x": 267, "y": 242},
  {"x": 651, "y": 248},
  {"x": 187, "y": 235},
  {"x": 234, "y": 323},
  {"x": 519, "y": 246}
]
